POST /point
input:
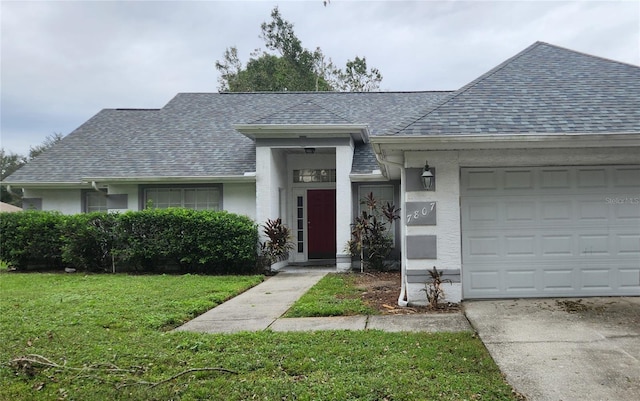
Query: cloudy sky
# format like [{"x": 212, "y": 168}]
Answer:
[{"x": 63, "y": 61}]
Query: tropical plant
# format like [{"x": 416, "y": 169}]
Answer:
[
  {"x": 278, "y": 244},
  {"x": 434, "y": 288},
  {"x": 371, "y": 238}
]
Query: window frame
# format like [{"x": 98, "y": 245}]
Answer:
[
  {"x": 86, "y": 208},
  {"x": 182, "y": 187}
]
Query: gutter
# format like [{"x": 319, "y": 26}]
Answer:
[{"x": 402, "y": 298}]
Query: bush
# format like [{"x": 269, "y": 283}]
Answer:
[
  {"x": 192, "y": 241},
  {"x": 154, "y": 239},
  {"x": 89, "y": 241},
  {"x": 31, "y": 239}
]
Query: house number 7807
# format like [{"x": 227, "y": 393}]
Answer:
[{"x": 421, "y": 213}]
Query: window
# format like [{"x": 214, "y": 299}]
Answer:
[
  {"x": 94, "y": 202},
  {"x": 314, "y": 175},
  {"x": 198, "y": 198},
  {"x": 382, "y": 193},
  {"x": 300, "y": 223}
]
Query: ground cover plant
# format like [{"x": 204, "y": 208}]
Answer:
[{"x": 100, "y": 337}]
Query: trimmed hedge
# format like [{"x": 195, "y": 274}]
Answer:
[
  {"x": 181, "y": 240},
  {"x": 31, "y": 239}
]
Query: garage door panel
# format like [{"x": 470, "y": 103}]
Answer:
[
  {"x": 520, "y": 245},
  {"x": 555, "y": 179},
  {"x": 627, "y": 208},
  {"x": 628, "y": 244},
  {"x": 627, "y": 177},
  {"x": 554, "y": 231},
  {"x": 481, "y": 180},
  {"x": 592, "y": 177},
  {"x": 518, "y": 179},
  {"x": 629, "y": 279},
  {"x": 519, "y": 211},
  {"x": 554, "y": 245}
]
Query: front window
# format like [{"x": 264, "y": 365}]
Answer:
[
  {"x": 314, "y": 175},
  {"x": 94, "y": 202},
  {"x": 205, "y": 198}
]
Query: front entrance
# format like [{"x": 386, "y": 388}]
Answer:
[{"x": 321, "y": 223}]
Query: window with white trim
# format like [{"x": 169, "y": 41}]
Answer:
[
  {"x": 198, "y": 198},
  {"x": 314, "y": 175},
  {"x": 94, "y": 201}
]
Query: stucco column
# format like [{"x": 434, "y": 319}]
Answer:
[
  {"x": 344, "y": 159},
  {"x": 263, "y": 185}
]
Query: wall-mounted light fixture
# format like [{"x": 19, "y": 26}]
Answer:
[
  {"x": 428, "y": 177},
  {"x": 309, "y": 151}
]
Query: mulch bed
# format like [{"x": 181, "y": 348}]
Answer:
[{"x": 381, "y": 291}]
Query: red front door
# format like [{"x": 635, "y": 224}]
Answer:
[{"x": 321, "y": 223}]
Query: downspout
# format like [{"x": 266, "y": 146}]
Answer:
[
  {"x": 402, "y": 298},
  {"x": 10, "y": 192},
  {"x": 94, "y": 185}
]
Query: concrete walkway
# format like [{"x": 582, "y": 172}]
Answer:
[{"x": 261, "y": 308}]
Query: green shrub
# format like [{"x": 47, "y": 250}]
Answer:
[
  {"x": 89, "y": 241},
  {"x": 31, "y": 239},
  {"x": 154, "y": 239},
  {"x": 192, "y": 241}
]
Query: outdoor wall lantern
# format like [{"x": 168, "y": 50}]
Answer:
[{"x": 428, "y": 178}]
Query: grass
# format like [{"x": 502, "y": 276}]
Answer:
[
  {"x": 333, "y": 295},
  {"x": 97, "y": 322}
]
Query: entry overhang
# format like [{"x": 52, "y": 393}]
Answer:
[{"x": 358, "y": 132}]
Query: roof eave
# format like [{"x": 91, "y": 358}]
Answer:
[
  {"x": 359, "y": 132},
  {"x": 86, "y": 182},
  {"x": 246, "y": 177},
  {"x": 488, "y": 141}
]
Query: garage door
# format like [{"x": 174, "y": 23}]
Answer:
[{"x": 550, "y": 231}]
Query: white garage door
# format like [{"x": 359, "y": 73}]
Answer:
[{"x": 550, "y": 231}]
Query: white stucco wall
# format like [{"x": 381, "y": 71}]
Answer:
[
  {"x": 240, "y": 199},
  {"x": 66, "y": 201},
  {"x": 132, "y": 196},
  {"x": 344, "y": 208},
  {"x": 271, "y": 177}
]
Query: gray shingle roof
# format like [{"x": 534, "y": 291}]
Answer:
[
  {"x": 544, "y": 89},
  {"x": 193, "y": 134}
]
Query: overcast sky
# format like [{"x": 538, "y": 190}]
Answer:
[{"x": 63, "y": 61}]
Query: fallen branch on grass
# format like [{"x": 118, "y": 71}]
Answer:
[{"x": 28, "y": 363}]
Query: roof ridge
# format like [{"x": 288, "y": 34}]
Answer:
[
  {"x": 470, "y": 85},
  {"x": 588, "y": 55},
  {"x": 318, "y": 92}
]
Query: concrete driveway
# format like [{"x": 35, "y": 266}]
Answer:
[{"x": 564, "y": 349}]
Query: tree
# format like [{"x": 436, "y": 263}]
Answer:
[
  {"x": 10, "y": 162},
  {"x": 48, "y": 143},
  {"x": 290, "y": 66}
]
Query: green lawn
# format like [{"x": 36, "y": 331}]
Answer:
[
  {"x": 334, "y": 295},
  {"x": 107, "y": 337}
]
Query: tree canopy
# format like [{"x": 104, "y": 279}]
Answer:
[
  {"x": 291, "y": 67},
  {"x": 10, "y": 162}
]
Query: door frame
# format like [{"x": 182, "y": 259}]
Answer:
[{"x": 296, "y": 192}]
